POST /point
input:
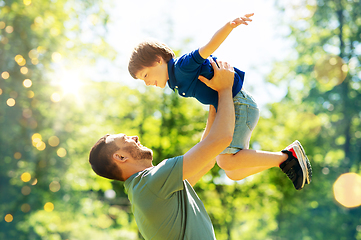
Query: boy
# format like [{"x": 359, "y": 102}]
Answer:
[{"x": 155, "y": 64}]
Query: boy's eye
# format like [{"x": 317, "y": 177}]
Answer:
[{"x": 145, "y": 75}]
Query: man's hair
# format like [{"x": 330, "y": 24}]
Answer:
[
  {"x": 146, "y": 54},
  {"x": 101, "y": 161}
]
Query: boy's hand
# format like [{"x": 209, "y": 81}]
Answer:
[
  {"x": 241, "y": 20},
  {"x": 223, "y": 76}
]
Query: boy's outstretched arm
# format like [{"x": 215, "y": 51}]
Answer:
[{"x": 222, "y": 34}]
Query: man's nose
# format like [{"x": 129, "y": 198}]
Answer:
[{"x": 135, "y": 138}]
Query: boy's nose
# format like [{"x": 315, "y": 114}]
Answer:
[{"x": 148, "y": 83}]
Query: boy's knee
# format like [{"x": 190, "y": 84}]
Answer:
[
  {"x": 232, "y": 176},
  {"x": 223, "y": 161}
]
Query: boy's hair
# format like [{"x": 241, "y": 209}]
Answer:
[
  {"x": 100, "y": 159},
  {"x": 146, "y": 54}
]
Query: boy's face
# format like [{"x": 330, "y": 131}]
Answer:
[{"x": 157, "y": 75}]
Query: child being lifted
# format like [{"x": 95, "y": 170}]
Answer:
[{"x": 155, "y": 63}]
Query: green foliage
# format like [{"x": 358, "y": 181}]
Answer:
[
  {"x": 322, "y": 110},
  {"x": 46, "y": 131}
]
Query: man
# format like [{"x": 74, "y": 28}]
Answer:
[{"x": 163, "y": 200}]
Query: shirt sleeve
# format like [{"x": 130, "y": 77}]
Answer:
[
  {"x": 190, "y": 62},
  {"x": 166, "y": 178}
]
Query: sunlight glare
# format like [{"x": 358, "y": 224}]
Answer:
[
  {"x": 347, "y": 190},
  {"x": 71, "y": 83}
]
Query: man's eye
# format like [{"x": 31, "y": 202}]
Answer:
[{"x": 145, "y": 75}]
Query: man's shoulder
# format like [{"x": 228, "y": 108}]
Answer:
[{"x": 168, "y": 161}]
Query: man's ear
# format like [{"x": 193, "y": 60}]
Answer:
[{"x": 119, "y": 157}]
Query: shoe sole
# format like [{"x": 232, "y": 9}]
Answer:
[{"x": 306, "y": 163}]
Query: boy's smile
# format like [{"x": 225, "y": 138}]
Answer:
[{"x": 156, "y": 75}]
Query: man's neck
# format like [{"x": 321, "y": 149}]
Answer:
[{"x": 136, "y": 169}]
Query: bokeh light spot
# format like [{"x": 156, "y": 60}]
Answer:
[
  {"x": 24, "y": 70},
  {"x": 325, "y": 170},
  {"x": 4, "y": 40},
  {"x": 17, "y": 155},
  {"x": 35, "y": 61},
  {"x": 5, "y": 75},
  {"x": 314, "y": 204},
  {"x": 33, "y": 54},
  {"x": 61, "y": 152},
  {"x": 38, "y": 21},
  {"x": 41, "y": 49},
  {"x": 25, "y": 177},
  {"x": 36, "y": 138},
  {"x": 2, "y": 25},
  {"x": 27, "y": 2},
  {"x": 9, "y": 218},
  {"x": 56, "y": 57},
  {"x": 55, "y": 97},
  {"x": 9, "y": 29},
  {"x": 40, "y": 146},
  {"x": 110, "y": 194},
  {"x": 347, "y": 190},
  {"x": 20, "y": 60},
  {"x": 10, "y": 102},
  {"x": 53, "y": 141},
  {"x": 49, "y": 207},
  {"x": 26, "y": 190},
  {"x": 330, "y": 71},
  {"x": 104, "y": 221},
  {"x": 25, "y": 208},
  {"x": 34, "y": 182},
  {"x": 27, "y": 83},
  {"x": 1, "y": 91},
  {"x": 30, "y": 94},
  {"x": 54, "y": 186}
]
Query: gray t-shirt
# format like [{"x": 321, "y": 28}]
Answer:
[{"x": 165, "y": 207}]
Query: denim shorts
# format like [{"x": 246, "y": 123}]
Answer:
[{"x": 247, "y": 115}]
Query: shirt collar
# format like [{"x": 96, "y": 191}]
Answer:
[{"x": 171, "y": 81}]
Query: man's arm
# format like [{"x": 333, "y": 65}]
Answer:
[
  {"x": 221, "y": 133},
  {"x": 195, "y": 178},
  {"x": 222, "y": 34}
]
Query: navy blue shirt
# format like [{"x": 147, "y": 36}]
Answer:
[{"x": 183, "y": 74}]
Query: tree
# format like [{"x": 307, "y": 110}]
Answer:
[{"x": 321, "y": 109}]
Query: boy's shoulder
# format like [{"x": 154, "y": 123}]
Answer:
[{"x": 192, "y": 57}]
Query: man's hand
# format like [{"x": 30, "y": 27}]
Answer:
[
  {"x": 241, "y": 20},
  {"x": 223, "y": 76}
]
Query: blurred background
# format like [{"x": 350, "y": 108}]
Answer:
[{"x": 64, "y": 83}]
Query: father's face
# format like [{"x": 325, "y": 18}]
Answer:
[{"x": 131, "y": 145}]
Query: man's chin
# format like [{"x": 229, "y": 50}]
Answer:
[{"x": 147, "y": 153}]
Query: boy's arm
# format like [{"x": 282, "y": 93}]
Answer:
[
  {"x": 221, "y": 133},
  {"x": 222, "y": 34},
  {"x": 195, "y": 178}
]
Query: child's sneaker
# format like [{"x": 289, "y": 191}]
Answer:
[{"x": 297, "y": 167}]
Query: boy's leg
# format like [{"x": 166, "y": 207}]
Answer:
[
  {"x": 248, "y": 158},
  {"x": 242, "y": 173},
  {"x": 292, "y": 160}
]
